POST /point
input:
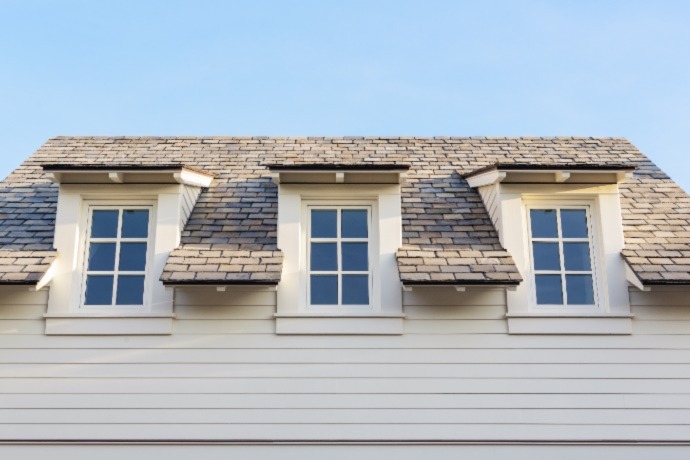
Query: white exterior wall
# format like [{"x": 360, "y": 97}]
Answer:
[{"x": 454, "y": 375}]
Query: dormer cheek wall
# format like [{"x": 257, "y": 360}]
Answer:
[{"x": 507, "y": 206}]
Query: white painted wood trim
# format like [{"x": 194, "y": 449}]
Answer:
[
  {"x": 561, "y": 176},
  {"x": 634, "y": 280},
  {"x": 111, "y": 315},
  {"x": 116, "y": 177},
  {"x": 338, "y": 176},
  {"x": 336, "y": 315},
  {"x": 48, "y": 275},
  {"x": 192, "y": 178},
  {"x": 137, "y": 176},
  {"x": 487, "y": 178}
]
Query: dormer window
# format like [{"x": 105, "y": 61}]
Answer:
[
  {"x": 562, "y": 257},
  {"x": 117, "y": 256},
  {"x": 339, "y": 257}
]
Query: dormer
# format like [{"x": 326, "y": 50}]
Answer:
[
  {"x": 115, "y": 228},
  {"x": 339, "y": 228},
  {"x": 562, "y": 224}
]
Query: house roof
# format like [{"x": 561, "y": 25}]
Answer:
[{"x": 448, "y": 237}]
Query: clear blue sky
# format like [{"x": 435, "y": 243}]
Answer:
[{"x": 422, "y": 68}]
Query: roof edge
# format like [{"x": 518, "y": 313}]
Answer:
[
  {"x": 463, "y": 283},
  {"x": 220, "y": 282},
  {"x": 338, "y": 167},
  {"x": 56, "y": 167},
  {"x": 551, "y": 167}
]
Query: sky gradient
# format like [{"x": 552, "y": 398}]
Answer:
[{"x": 314, "y": 68}]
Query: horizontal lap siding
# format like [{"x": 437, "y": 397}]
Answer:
[
  {"x": 344, "y": 452},
  {"x": 454, "y": 374}
]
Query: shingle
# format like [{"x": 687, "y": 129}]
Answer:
[
  {"x": 26, "y": 266},
  {"x": 444, "y": 220}
]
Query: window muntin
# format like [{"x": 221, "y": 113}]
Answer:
[
  {"x": 117, "y": 248},
  {"x": 338, "y": 259},
  {"x": 562, "y": 256}
]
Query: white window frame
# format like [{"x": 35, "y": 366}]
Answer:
[
  {"x": 374, "y": 290},
  {"x": 594, "y": 260},
  {"x": 338, "y": 240},
  {"x": 149, "y": 240}
]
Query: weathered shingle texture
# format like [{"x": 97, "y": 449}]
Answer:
[
  {"x": 222, "y": 266},
  {"x": 448, "y": 236},
  {"x": 24, "y": 267}
]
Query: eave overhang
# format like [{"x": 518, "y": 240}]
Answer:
[
  {"x": 460, "y": 285},
  {"x": 220, "y": 283},
  {"x": 519, "y": 173},
  {"x": 127, "y": 174},
  {"x": 321, "y": 173}
]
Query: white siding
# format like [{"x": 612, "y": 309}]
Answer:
[
  {"x": 189, "y": 196},
  {"x": 344, "y": 452},
  {"x": 491, "y": 199},
  {"x": 454, "y": 375}
]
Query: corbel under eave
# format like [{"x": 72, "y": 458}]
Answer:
[
  {"x": 632, "y": 278},
  {"x": 488, "y": 178},
  {"x": 47, "y": 276},
  {"x": 193, "y": 179}
]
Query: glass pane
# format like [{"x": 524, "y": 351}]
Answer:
[
  {"x": 580, "y": 289},
  {"x": 549, "y": 290},
  {"x": 132, "y": 257},
  {"x": 99, "y": 290},
  {"x": 324, "y": 289},
  {"x": 546, "y": 256},
  {"x": 101, "y": 257},
  {"x": 130, "y": 290},
  {"x": 104, "y": 224},
  {"x": 355, "y": 290},
  {"x": 355, "y": 256},
  {"x": 135, "y": 223},
  {"x": 574, "y": 223},
  {"x": 576, "y": 256},
  {"x": 544, "y": 224},
  {"x": 324, "y": 223},
  {"x": 324, "y": 257},
  {"x": 353, "y": 223}
]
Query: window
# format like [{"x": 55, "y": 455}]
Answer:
[
  {"x": 116, "y": 259},
  {"x": 339, "y": 256},
  {"x": 562, "y": 257}
]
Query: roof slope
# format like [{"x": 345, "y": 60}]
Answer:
[{"x": 447, "y": 234}]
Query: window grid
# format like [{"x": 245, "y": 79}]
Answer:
[
  {"x": 560, "y": 239},
  {"x": 118, "y": 240},
  {"x": 338, "y": 240}
]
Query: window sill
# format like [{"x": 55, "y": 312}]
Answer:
[
  {"x": 331, "y": 324},
  {"x": 574, "y": 323},
  {"x": 111, "y": 324}
]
